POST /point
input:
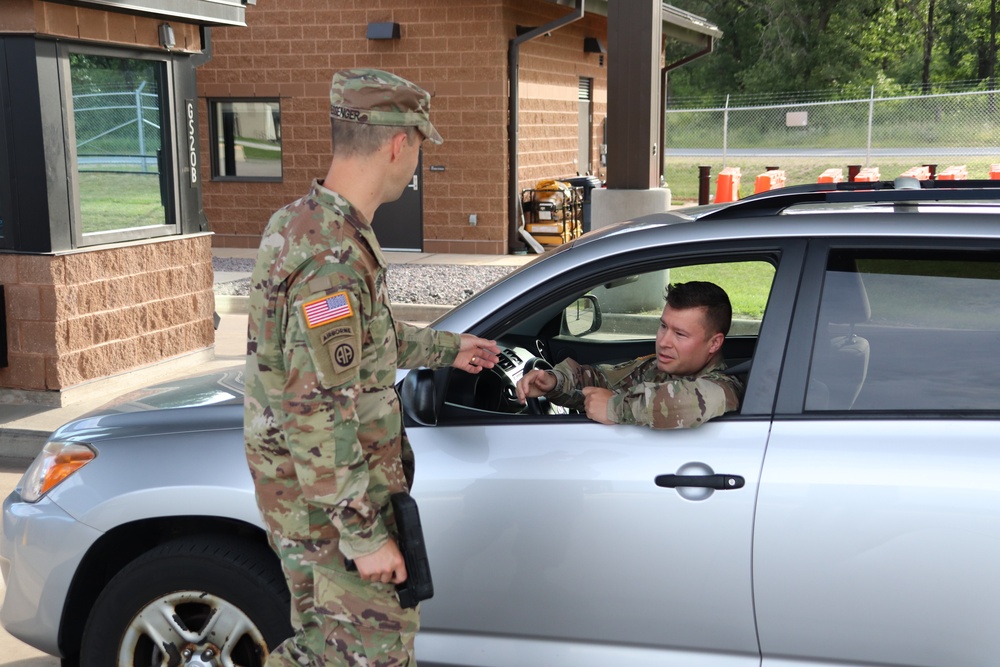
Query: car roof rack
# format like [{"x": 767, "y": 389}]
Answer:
[{"x": 903, "y": 190}]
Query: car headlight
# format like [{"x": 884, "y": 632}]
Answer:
[{"x": 57, "y": 461}]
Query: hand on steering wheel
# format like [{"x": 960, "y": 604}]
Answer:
[{"x": 535, "y": 404}]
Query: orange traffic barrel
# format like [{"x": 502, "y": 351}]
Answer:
[
  {"x": 771, "y": 179},
  {"x": 868, "y": 175},
  {"x": 957, "y": 172},
  {"x": 831, "y": 176},
  {"x": 727, "y": 187},
  {"x": 922, "y": 173}
]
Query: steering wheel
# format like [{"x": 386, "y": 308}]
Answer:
[{"x": 535, "y": 404}]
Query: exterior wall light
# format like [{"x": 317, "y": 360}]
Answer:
[
  {"x": 593, "y": 45},
  {"x": 388, "y": 30},
  {"x": 167, "y": 39}
]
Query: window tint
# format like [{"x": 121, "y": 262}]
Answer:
[
  {"x": 907, "y": 331},
  {"x": 123, "y": 161},
  {"x": 631, "y": 307},
  {"x": 247, "y": 140},
  {"x": 611, "y": 322}
]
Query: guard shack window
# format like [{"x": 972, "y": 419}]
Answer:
[
  {"x": 246, "y": 136},
  {"x": 121, "y": 129}
]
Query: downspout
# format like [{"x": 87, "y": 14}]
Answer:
[
  {"x": 663, "y": 94},
  {"x": 513, "y": 107}
]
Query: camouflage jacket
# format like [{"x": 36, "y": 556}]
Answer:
[
  {"x": 646, "y": 395},
  {"x": 322, "y": 421}
]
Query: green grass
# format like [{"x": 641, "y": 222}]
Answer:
[
  {"x": 119, "y": 201},
  {"x": 747, "y": 284},
  {"x": 260, "y": 154},
  {"x": 252, "y": 153}
]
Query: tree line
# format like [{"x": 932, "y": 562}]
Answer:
[{"x": 779, "y": 46}]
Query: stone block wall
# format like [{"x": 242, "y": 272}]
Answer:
[{"x": 81, "y": 316}]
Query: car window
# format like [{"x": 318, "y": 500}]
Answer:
[
  {"x": 611, "y": 320},
  {"x": 907, "y": 331},
  {"x": 630, "y": 307}
]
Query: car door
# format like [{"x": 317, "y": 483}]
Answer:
[
  {"x": 551, "y": 542},
  {"x": 878, "y": 521}
]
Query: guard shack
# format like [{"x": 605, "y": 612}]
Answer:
[{"x": 105, "y": 255}]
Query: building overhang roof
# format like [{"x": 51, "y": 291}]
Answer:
[
  {"x": 677, "y": 23},
  {"x": 201, "y": 12},
  {"x": 687, "y": 27}
]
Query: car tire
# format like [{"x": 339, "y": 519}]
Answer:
[{"x": 188, "y": 598}]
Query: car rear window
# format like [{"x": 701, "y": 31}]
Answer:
[{"x": 907, "y": 331}]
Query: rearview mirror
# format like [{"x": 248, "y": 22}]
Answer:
[{"x": 582, "y": 317}]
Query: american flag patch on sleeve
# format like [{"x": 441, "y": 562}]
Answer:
[{"x": 328, "y": 309}]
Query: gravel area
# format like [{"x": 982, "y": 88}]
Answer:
[{"x": 437, "y": 284}]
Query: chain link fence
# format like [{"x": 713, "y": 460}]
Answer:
[
  {"x": 812, "y": 134},
  {"x": 118, "y": 130}
]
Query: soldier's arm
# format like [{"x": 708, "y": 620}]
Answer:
[
  {"x": 571, "y": 378},
  {"x": 323, "y": 350},
  {"x": 420, "y": 346},
  {"x": 680, "y": 403},
  {"x": 424, "y": 346}
]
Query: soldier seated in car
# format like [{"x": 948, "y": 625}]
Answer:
[{"x": 681, "y": 385}]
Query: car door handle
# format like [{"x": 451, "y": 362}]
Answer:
[{"x": 718, "y": 482}]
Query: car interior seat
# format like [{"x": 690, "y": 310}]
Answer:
[{"x": 840, "y": 364}]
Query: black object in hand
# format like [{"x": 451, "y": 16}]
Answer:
[{"x": 418, "y": 585}]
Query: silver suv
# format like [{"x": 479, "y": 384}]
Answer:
[{"x": 847, "y": 514}]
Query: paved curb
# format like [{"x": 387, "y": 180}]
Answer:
[
  {"x": 407, "y": 312},
  {"x": 21, "y": 446}
]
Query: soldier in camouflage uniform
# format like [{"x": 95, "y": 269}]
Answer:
[
  {"x": 681, "y": 386},
  {"x": 323, "y": 429}
]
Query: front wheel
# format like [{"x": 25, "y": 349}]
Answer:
[{"x": 193, "y": 601}]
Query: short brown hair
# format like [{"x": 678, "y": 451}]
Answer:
[
  {"x": 360, "y": 139},
  {"x": 700, "y": 294}
]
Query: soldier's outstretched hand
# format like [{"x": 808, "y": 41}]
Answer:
[{"x": 476, "y": 353}]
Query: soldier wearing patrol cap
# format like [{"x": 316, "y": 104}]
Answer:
[{"x": 323, "y": 429}]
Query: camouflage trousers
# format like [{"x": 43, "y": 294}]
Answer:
[{"x": 339, "y": 619}]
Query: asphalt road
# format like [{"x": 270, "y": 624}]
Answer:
[{"x": 14, "y": 653}]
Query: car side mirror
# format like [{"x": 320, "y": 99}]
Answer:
[
  {"x": 419, "y": 396},
  {"x": 582, "y": 317}
]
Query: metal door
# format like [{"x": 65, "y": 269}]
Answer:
[
  {"x": 877, "y": 530},
  {"x": 399, "y": 225},
  {"x": 560, "y": 530}
]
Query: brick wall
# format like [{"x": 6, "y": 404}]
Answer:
[
  {"x": 456, "y": 49},
  {"x": 94, "y": 25},
  {"x": 550, "y": 72},
  {"x": 81, "y": 316}
]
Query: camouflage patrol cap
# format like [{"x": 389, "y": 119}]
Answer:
[{"x": 381, "y": 98}]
